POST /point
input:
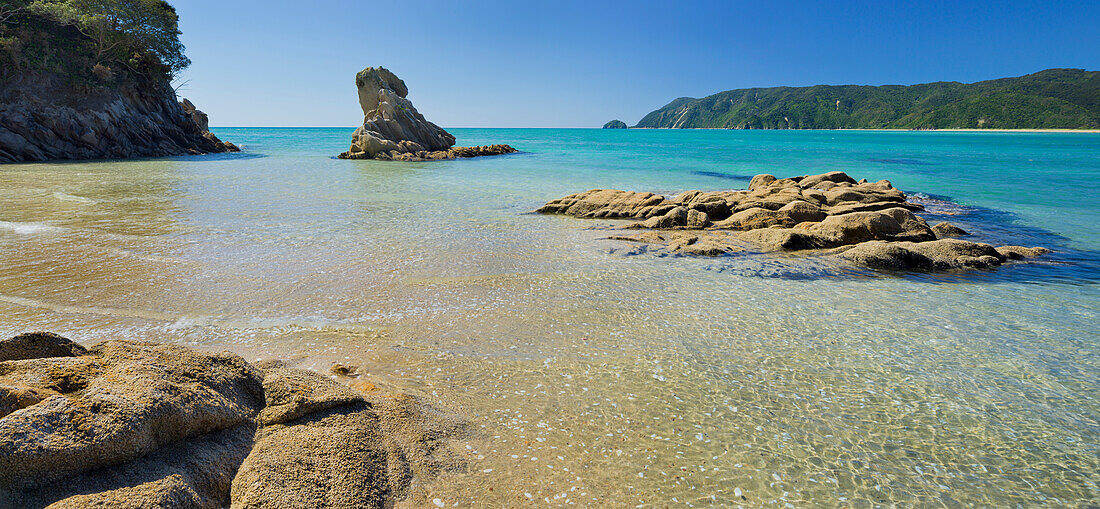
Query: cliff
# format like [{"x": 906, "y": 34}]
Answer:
[
  {"x": 67, "y": 95},
  {"x": 42, "y": 118},
  {"x": 1050, "y": 99}
]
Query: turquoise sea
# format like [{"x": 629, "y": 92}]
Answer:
[{"x": 593, "y": 377}]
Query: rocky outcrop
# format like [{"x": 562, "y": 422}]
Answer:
[
  {"x": 946, "y": 229},
  {"x": 811, "y": 212},
  {"x": 615, "y": 124},
  {"x": 131, "y": 424},
  {"x": 393, "y": 130},
  {"x": 203, "y": 121},
  {"x": 609, "y": 203},
  {"x": 43, "y": 118}
]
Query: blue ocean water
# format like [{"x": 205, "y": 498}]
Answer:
[
  {"x": 600, "y": 378},
  {"x": 1048, "y": 180}
]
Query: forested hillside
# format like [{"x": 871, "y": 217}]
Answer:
[{"x": 1050, "y": 99}]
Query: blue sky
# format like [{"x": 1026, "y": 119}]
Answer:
[{"x": 580, "y": 64}]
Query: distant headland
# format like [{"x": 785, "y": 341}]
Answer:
[{"x": 1050, "y": 99}]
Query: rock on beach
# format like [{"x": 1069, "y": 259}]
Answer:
[{"x": 134, "y": 424}]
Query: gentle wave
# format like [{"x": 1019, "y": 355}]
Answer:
[
  {"x": 175, "y": 321},
  {"x": 74, "y": 198},
  {"x": 151, "y": 258},
  {"x": 90, "y": 310},
  {"x": 29, "y": 228}
]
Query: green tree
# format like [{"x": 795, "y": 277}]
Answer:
[{"x": 121, "y": 29}]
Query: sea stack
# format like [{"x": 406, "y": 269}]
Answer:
[{"x": 393, "y": 130}]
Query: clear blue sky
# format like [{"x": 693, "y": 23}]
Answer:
[{"x": 580, "y": 64}]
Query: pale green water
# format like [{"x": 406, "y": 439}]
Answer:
[{"x": 634, "y": 380}]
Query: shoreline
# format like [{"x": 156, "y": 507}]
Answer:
[{"x": 952, "y": 130}]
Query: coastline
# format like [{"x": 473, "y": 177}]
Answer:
[{"x": 960, "y": 130}]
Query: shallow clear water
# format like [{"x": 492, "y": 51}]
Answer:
[{"x": 594, "y": 377}]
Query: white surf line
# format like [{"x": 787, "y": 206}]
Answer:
[
  {"x": 60, "y": 308},
  {"x": 151, "y": 258},
  {"x": 180, "y": 322},
  {"x": 74, "y": 198},
  {"x": 29, "y": 228}
]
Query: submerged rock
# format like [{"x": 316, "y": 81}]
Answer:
[
  {"x": 811, "y": 212},
  {"x": 131, "y": 424},
  {"x": 393, "y": 130}
]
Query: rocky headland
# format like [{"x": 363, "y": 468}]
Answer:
[
  {"x": 65, "y": 94},
  {"x": 133, "y": 424},
  {"x": 42, "y": 118},
  {"x": 393, "y": 130},
  {"x": 870, "y": 224}
]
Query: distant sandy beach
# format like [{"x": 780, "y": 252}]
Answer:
[{"x": 1089, "y": 131}]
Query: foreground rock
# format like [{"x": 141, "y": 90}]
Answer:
[
  {"x": 831, "y": 211},
  {"x": 131, "y": 424},
  {"x": 393, "y": 130}
]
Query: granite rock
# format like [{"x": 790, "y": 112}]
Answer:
[
  {"x": 393, "y": 130},
  {"x": 809, "y": 213},
  {"x": 133, "y": 424}
]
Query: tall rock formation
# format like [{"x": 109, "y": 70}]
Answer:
[{"x": 393, "y": 130}]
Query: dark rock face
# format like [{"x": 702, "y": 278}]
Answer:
[
  {"x": 42, "y": 119},
  {"x": 813, "y": 212},
  {"x": 203, "y": 121},
  {"x": 130, "y": 424},
  {"x": 615, "y": 124},
  {"x": 393, "y": 130}
]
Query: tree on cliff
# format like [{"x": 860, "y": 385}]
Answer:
[
  {"x": 142, "y": 35},
  {"x": 120, "y": 27}
]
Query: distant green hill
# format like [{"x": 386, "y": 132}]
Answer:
[{"x": 1050, "y": 99}]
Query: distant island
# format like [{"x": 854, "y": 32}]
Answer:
[
  {"x": 615, "y": 124},
  {"x": 1050, "y": 99}
]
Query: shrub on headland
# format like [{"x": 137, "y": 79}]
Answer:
[{"x": 90, "y": 41}]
